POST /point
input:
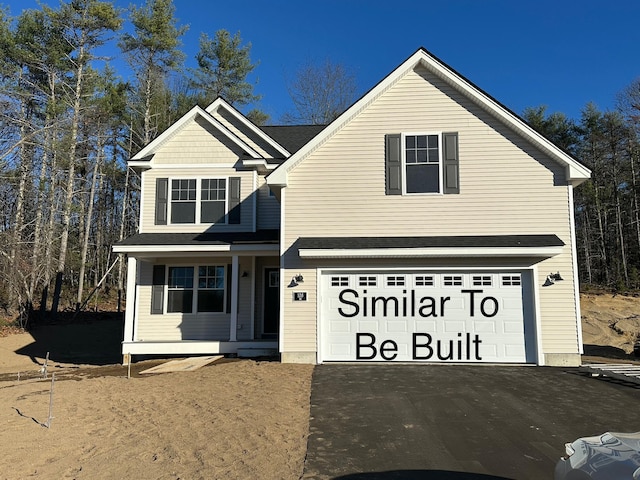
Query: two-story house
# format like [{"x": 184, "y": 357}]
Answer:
[{"x": 427, "y": 223}]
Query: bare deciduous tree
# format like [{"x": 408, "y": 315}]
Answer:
[{"x": 320, "y": 93}]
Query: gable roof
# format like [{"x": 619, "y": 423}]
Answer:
[
  {"x": 221, "y": 104},
  {"x": 144, "y": 155},
  {"x": 576, "y": 173}
]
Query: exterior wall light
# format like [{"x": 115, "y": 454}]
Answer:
[
  {"x": 552, "y": 278},
  {"x": 296, "y": 280}
]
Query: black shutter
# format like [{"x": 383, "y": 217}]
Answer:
[
  {"x": 162, "y": 188},
  {"x": 393, "y": 164},
  {"x": 451, "y": 163},
  {"x": 228, "y": 285},
  {"x": 157, "y": 290},
  {"x": 234, "y": 200}
]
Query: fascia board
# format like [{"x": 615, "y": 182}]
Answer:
[
  {"x": 221, "y": 103},
  {"x": 182, "y": 122},
  {"x": 538, "y": 252}
]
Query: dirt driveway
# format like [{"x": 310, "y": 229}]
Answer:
[{"x": 456, "y": 422}]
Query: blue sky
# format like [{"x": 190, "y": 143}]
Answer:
[{"x": 559, "y": 53}]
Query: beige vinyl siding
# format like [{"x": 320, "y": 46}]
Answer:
[
  {"x": 247, "y": 199},
  {"x": 506, "y": 187},
  {"x": 245, "y": 134},
  {"x": 268, "y": 216},
  {"x": 197, "y": 326},
  {"x": 197, "y": 142}
]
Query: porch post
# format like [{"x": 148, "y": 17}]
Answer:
[
  {"x": 130, "y": 306},
  {"x": 233, "y": 327}
]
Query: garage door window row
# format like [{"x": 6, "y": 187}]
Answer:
[{"x": 421, "y": 280}]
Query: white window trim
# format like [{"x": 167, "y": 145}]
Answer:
[
  {"x": 198, "y": 198},
  {"x": 403, "y": 153},
  {"x": 194, "y": 301}
]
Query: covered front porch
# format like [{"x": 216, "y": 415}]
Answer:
[{"x": 201, "y": 294}]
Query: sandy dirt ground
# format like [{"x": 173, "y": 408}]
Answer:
[
  {"x": 610, "y": 324},
  {"x": 234, "y": 419}
]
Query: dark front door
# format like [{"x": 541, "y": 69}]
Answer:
[{"x": 271, "y": 302}]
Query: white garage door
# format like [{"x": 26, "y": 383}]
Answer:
[{"x": 424, "y": 316}]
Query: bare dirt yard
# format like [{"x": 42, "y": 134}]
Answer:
[
  {"x": 610, "y": 325},
  {"x": 233, "y": 419}
]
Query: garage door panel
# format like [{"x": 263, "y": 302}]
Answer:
[
  {"x": 484, "y": 327},
  {"x": 453, "y": 327},
  {"x": 341, "y": 349},
  {"x": 396, "y": 326},
  {"x": 490, "y": 351},
  {"x": 426, "y": 326},
  {"x": 368, "y": 326},
  {"x": 513, "y": 328},
  {"x": 429, "y": 316},
  {"x": 340, "y": 326}
]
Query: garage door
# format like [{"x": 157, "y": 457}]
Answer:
[{"x": 425, "y": 316}]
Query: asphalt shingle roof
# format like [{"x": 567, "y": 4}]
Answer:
[
  {"x": 499, "y": 241},
  {"x": 293, "y": 137},
  {"x": 234, "y": 238}
]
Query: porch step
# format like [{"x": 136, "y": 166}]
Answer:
[{"x": 253, "y": 352}]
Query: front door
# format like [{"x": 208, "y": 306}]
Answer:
[{"x": 271, "y": 318}]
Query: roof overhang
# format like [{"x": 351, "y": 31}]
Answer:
[
  {"x": 163, "y": 249},
  {"x": 501, "y": 246},
  {"x": 264, "y": 242}
]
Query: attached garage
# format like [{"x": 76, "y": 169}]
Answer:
[{"x": 427, "y": 316}]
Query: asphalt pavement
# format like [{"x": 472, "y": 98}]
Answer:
[{"x": 457, "y": 422}]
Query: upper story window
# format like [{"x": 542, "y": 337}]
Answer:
[
  {"x": 211, "y": 197},
  {"x": 213, "y": 200},
  {"x": 183, "y": 201},
  {"x": 197, "y": 201},
  {"x": 421, "y": 163}
]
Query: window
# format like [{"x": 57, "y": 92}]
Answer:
[
  {"x": 183, "y": 201},
  {"x": 367, "y": 281},
  {"x": 452, "y": 280},
  {"x": 180, "y": 290},
  {"x": 198, "y": 201},
  {"x": 207, "y": 289},
  {"x": 422, "y": 164},
  {"x": 212, "y": 204},
  {"x": 339, "y": 281},
  {"x": 482, "y": 280},
  {"x": 395, "y": 281},
  {"x": 424, "y": 281},
  {"x": 510, "y": 280},
  {"x": 211, "y": 289}
]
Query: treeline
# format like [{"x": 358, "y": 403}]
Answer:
[
  {"x": 607, "y": 209},
  {"x": 69, "y": 124}
]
